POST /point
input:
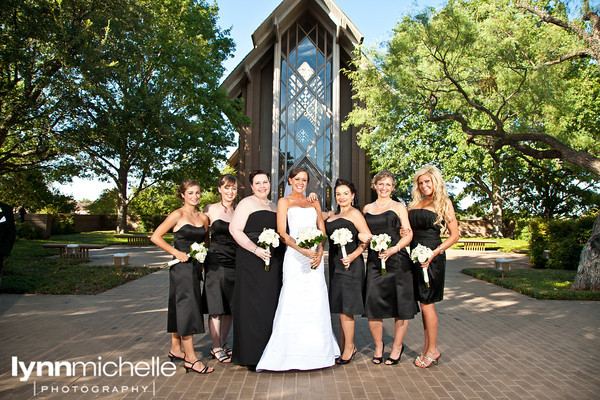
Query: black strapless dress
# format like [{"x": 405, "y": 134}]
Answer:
[
  {"x": 219, "y": 269},
  {"x": 427, "y": 234},
  {"x": 256, "y": 293},
  {"x": 390, "y": 295},
  {"x": 345, "y": 286},
  {"x": 185, "y": 315}
]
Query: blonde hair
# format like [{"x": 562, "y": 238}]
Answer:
[{"x": 440, "y": 193}]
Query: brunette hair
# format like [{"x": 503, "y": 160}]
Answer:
[
  {"x": 258, "y": 172},
  {"x": 440, "y": 193},
  {"x": 296, "y": 170},
  {"x": 227, "y": 178},
  {"x": 343, "y": 182},
  {"x": 382, "y": 175},
  {"x": 185, "y": 185}
]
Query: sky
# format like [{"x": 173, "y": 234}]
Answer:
[{"x": 375, "y": 19}]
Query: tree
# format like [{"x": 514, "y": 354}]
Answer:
[
  {"x": 482, "y": 67},
  {"x": 41, "y": 42},
  {"x": 34, "y": 192},
  {"x": 151, "y": 107},
  {"x": 470, "y": 64}
]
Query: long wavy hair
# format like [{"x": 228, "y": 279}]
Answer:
[{"x": 440, "y": 193}]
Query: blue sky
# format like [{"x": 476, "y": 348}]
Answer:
[{"x": 375, "y": 19}]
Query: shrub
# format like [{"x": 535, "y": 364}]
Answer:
[
  {"x": 538, "y": 242},
  {"x": 27, "y": 231},
  {"x": 564, "y": 238},
  {"x": 62, "y": 224}
]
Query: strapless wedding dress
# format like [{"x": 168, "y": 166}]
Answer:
[{"x": 302, "y": 337}]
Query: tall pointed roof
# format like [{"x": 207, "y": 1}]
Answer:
[{"x": 280, "y": 20}]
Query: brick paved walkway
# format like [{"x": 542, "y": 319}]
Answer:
[{"x": 496, "y": 344}]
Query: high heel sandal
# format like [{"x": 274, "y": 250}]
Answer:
[
  {"x": 391, "y": 361},
  {"x": 227, "y": 349},
  {"x": 379, "y": 360},
  {"x": 203, "y": 371},
  {"x": 341, "y": 361},
  {"x": 220, "y": 355},
  {"x": 432, "y": 361},
  {"x": 174, "y": 357}
]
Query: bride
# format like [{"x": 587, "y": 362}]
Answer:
[{"x": 302, "y": 337}]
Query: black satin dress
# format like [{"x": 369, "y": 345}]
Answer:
[
  {"x": 256, "y": 293},
  {"x": 426, "y": 233},
  {"x": 345, "y": 286},
  {"x": 185, "y": 314},
  {"x": 219, "y": 269},
  {"x": 390, "y": 295}
]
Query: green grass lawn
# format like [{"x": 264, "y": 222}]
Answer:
[
  {"x": 30, "y": 269},
  {"x": 505, "y": 245},
  {"x": 545, "y": 284}
]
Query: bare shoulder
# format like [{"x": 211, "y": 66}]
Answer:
[
  {"x": 355, "y": 214},
  {"x": 367, "y": 208},
  {"x": 283, "y": 202},
  {"x": 399, "y": 207}
]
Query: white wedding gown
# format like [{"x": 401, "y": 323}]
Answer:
[{"x": 302, "y": 337}]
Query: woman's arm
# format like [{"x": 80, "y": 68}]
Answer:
[
  {"x": 361, "y": 226},
  {"x": 237, "y": 225},
  {"x": 166, "y": 226},
  {"x": 402, "y": 213}
]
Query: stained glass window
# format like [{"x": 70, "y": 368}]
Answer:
[{"x": 305, "y": 106}]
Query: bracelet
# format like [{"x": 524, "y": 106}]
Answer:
[
  {"x": 254, "y": 251},
  {"x": 441, "y": 250}
]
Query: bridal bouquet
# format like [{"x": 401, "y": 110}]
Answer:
[
  {"x": 381, "y": 243},
  {"x": 342, "y": 237},
  {"x": 421, "y": 254},
  {"x": 267, "y": 238},
  {"x": 310, "y": 237},
  {"x": 197, "y": 251}
]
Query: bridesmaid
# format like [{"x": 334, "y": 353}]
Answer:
[
  {"x": 256, "y": 291},
  {"x": 346, "y": 274},
  {"x": 185, "y": 301},
  {"x": 388, "y": 295},
  {"x": 220, "y": 268},
  {"x": 431, "y": 208}
]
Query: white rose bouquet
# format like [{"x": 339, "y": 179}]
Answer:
[
  {"x": 267, "y": 238},
  {"x": 197, "y": 251},
  {"x": 342, "y": 237},
  {"x": 381, "y": 243},
  {"x": 421, "y": 254},
  {"x": 309, "y": 238}
]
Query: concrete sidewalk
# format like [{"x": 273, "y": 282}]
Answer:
[{"x": 496, "y": 344}]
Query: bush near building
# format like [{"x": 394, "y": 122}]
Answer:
[{"x": 564, "y": 238}]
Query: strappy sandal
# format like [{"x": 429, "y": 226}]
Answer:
[
  {"x": 220, "y": 355},
  {"x": 205, "y": 370},
  {"x": 423, "y": 364},
  {"x": 227, "y": 349},
  {"x": 174, "y": 357}
]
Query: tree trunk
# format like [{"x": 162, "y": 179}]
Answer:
[
  {"x": 496, "y": 211},
  {"x": 588, "y": 272},
  {"x": 122, "y": 203}
]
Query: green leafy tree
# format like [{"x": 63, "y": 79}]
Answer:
[
  {"x": 151, "y": 109},
  {"x": 31, "y": 188},
  {"x": 42, "y": 43},
  {"x": 489, "y": 69}
]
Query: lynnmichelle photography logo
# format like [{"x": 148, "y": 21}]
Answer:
[{"x": 27, "y": 371}]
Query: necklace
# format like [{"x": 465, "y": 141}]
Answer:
[
  {"x": 383, "y": 206},
  {"x": 226, "y": 209},
  {"x": 265, "y": 202}
]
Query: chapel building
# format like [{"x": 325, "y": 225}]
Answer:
[{"x": 297, "y": 96}]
